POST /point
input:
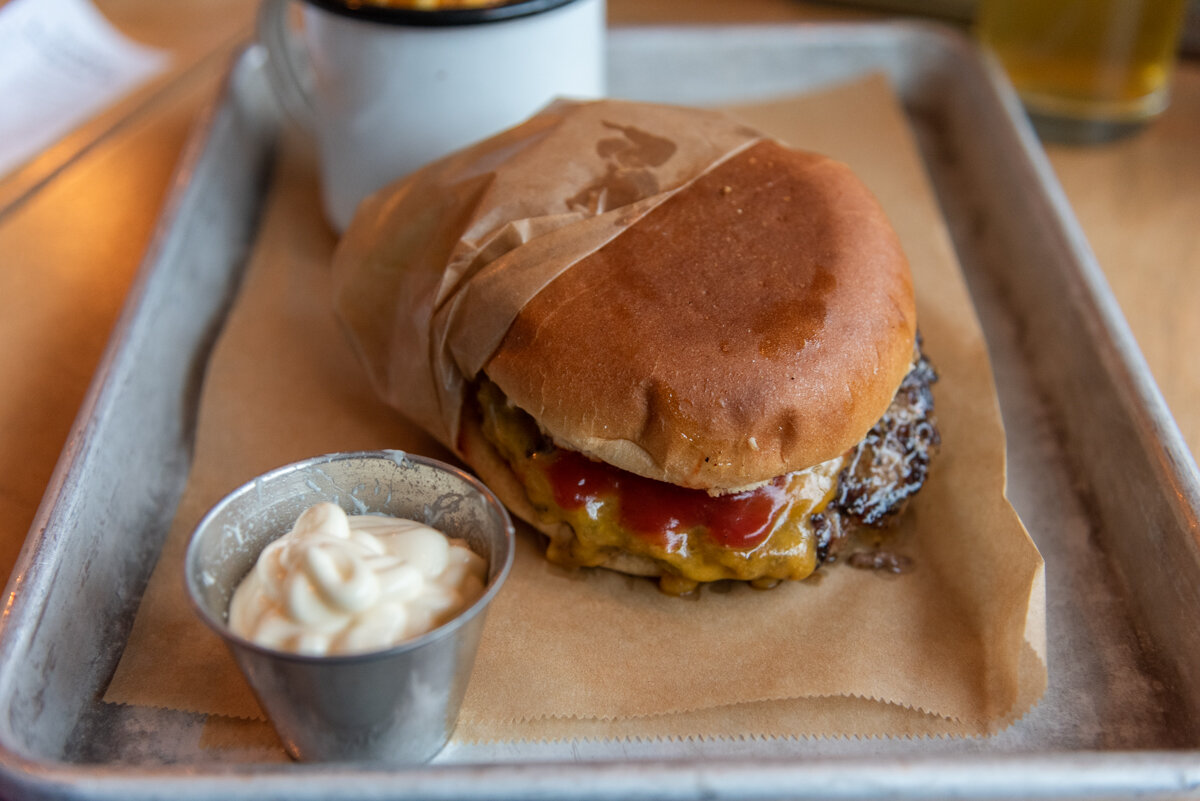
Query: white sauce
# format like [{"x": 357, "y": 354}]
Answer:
[{"x": 336, "y": 584}]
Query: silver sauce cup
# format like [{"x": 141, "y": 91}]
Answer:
[{"x": 398, "y": 705}]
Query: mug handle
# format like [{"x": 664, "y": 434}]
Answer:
[{"x": 285, "y": 65}]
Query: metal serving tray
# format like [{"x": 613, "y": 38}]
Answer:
[{"x": 1097, "y": 471}]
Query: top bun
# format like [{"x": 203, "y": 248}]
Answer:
[{"x": 756, "y": 323}]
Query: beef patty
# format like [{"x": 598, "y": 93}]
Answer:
[{"x": 888, "y": 467}]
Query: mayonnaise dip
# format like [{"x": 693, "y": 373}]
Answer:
[{"x": 338, "y": 584}]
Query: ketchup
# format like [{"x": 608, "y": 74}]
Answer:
[{"x": 663, "y": 512}]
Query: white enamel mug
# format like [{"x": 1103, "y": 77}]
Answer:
[{"x": 385, "y": 90}]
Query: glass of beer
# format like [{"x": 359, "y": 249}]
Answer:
[{"x": 1086, "y": 70}]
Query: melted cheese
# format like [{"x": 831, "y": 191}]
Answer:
[{"x": 596, "y": 529}]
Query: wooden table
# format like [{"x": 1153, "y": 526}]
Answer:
[{"x": 75, "y": 221}]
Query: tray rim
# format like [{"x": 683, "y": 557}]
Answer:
[
  {"x": 1089, "y": 774},
  {"x": 1072, "y": 772}
]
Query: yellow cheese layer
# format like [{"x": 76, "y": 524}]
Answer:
[{"x": 685, "y": 556}]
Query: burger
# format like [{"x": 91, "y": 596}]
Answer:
[
  {"x": 726, "y": 390},
  {"x": 711, "y": 370}
]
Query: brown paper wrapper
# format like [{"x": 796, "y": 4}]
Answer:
[
  {"x": 433, "y": 271},
  {"x": 956, "y": 647}
]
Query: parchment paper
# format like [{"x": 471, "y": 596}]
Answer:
[{"x": 955, "y": 647}]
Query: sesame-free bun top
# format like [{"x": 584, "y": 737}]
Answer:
[{"x": 758, "y": 322}]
